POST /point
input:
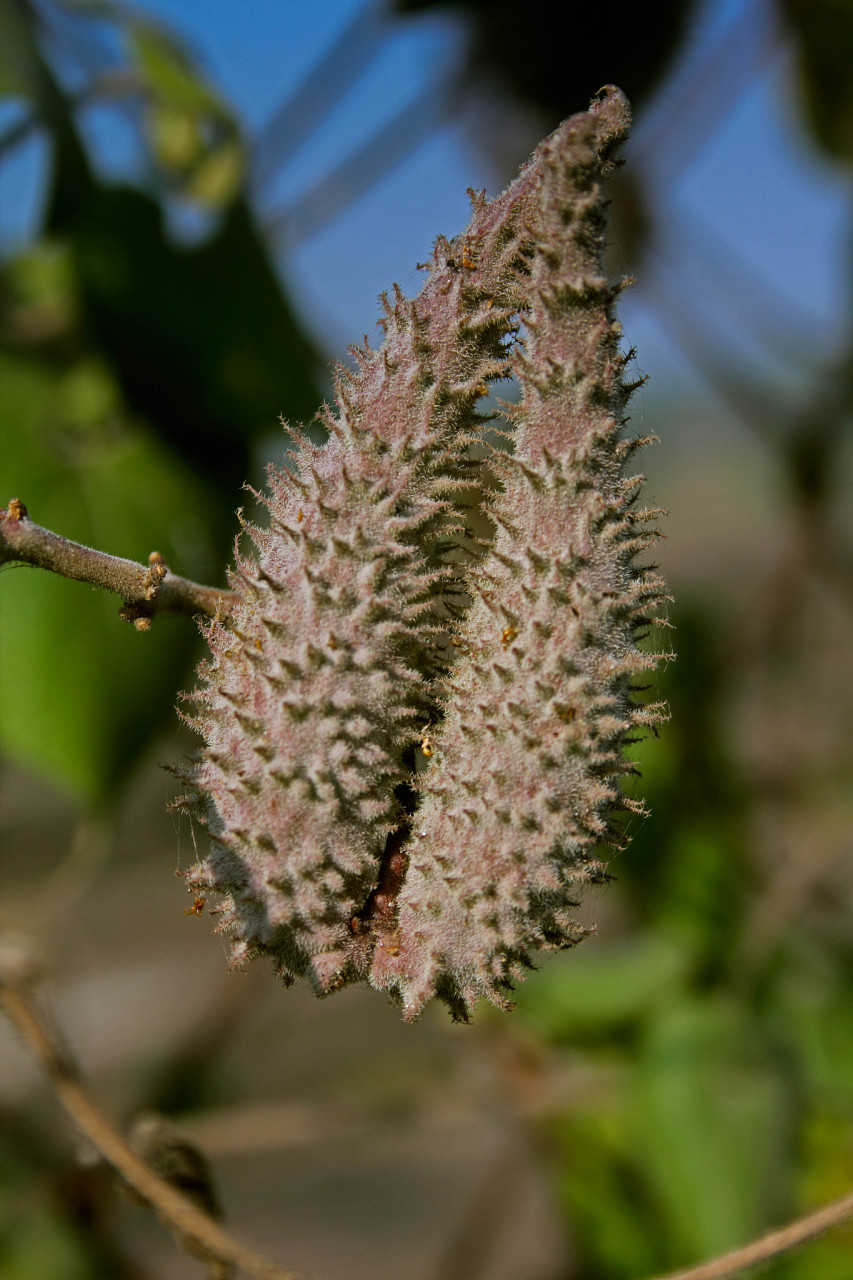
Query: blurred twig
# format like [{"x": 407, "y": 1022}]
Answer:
[
  {"x": 57, "y": 895},
  {"x": 473, "y": 1243},
  {"x": 363, "y": 168},
  {"x": 305, "y": 108},
  {"x": 115, "y": 84},
  {"x": 185, "y": 1073},
  {"x": 785, "y": 896},
  {"x": 695, "y": 98},
  {"x": 773, "y": 1245},
  {"x": 145, "y": 591},
  {"x": 195, "y": 1230}
]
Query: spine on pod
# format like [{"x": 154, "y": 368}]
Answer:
[{"x": 525, "y": 771}]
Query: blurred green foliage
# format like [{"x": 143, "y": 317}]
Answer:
[
  {"x": 721, "y": 1096},
  {"x": 716, "y": 1092},
  {"x": 37, "y": 1240}
]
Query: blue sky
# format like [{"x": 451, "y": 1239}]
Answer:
[
  {"x": 774, "y": 216},
  {"x": 758, "y": 185}
]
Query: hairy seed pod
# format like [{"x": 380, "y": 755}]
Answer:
[
  {"x": 320, "y": 676},
  {"x": 336, "y": 664},
  {"x": 527, "y": 764}
]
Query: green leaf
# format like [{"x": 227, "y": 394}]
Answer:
[
  {"x": 175, "y": 136},
  {"x": 37, "y": 1240},
  {"x": 712, "y": 1124},
  {"x": 217, "y": 177},
  {"x": 167, "y": 71},
  {"x": 203, "y": 340},
  {"x": 598, "y": 988},
  {"x": 81, "y": 693},
  {"x": 191, "y": 131},
  {"x": 813, "y": 1008},
  {"x": 20, "y": 63},
  {"x": 616, "y": 1227},
  {"x": 702, "y": 891}
]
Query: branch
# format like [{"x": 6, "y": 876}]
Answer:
[
  {"x": 772, "y": 1245},
  {"x": 145, "y": 591},
  {"x": 195, "y": 1230}
]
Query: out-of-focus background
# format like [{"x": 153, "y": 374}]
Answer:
[{"x": 199, "y": 202}]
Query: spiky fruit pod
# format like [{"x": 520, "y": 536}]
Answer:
[
  {"x": 319, "y": 678},
  {"x": 525, "y": 770}
]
